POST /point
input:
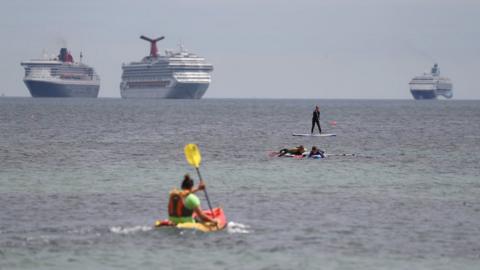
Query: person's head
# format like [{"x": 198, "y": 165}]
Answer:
[
  {"x": 301, "y": 148},
  {"x": 314, "y": 148},
  {"x": 317, "y": 108},
  {"x": 187, "y": 182}
]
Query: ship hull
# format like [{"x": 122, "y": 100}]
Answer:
[
  {"x": 56, "y": 89},
  {"x": 448, "y": 93},
  {"x": 422, "y": 94},
  {"x": 179, "y": 91}
]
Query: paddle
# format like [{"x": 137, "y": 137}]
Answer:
[
  {"x": 193, "y": 156},
  {"x": 340, "y": 155}
]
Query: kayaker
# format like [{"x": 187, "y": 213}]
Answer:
[
  {"x": 183, "y": 203},
  {"x": 316, "y": 152},
  {"x": 294, "y": 151},
  {"x": 316, "y": 119}
]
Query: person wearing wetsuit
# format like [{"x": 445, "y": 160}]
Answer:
[
  {"x": 294, "y": 151},
  {"x": 316, "y": 152},
  {"x": 316, "y": 119}
]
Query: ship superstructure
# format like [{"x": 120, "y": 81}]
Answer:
[
  {"x": 60, "y": 77},
  {"x": 430, "y": 85},
  {"x": 180, "y": 74}
]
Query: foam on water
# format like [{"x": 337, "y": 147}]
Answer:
[
  {"x": 130, "y": 230},
  {"x": 233, "y": 227}
]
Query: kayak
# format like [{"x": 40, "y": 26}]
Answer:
[{"x": 199, "y": 226}]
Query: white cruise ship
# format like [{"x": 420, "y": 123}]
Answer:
[
  {"x": 181, "y": 75},
  {"x": 60, "y": 77},
  {"x": 430, "y": 85}
]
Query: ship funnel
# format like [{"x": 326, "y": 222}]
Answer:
[
  {"x": 435, "y": 70},
  {"x": 65, "y": 56},
  {"x": 153, "y": 45}
]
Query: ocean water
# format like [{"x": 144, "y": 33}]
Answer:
[{"x": 83, "y": 180}]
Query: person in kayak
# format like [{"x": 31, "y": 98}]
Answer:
[
  {"x": 294, "y": 151},
  {"x": 316, "y": 152},
  {"x": 316, "y": 119},
  {"x": 183, "y": 203}
]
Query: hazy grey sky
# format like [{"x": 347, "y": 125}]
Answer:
[{"x": 264, "y": 49}]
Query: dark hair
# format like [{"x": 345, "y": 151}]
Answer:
[{"x": 187, "y": 182}]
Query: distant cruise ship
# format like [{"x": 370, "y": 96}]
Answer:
[
  {"x": 178, "y": 74},
  {"x": 430, "y": 85},
  {"x": 60, "y": 77}
]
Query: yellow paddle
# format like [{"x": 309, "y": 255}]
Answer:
[{"x": 193, "y": 156}]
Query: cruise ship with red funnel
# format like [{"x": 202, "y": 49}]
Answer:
[
  {"x": 60, "y": 77},
  {"x": 176, "y": 74}
]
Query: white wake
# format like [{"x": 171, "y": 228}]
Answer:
[
  {"x": 129, "y": 230},
  {"x": 233, "y": 227}
]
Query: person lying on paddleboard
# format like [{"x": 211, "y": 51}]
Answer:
[
  {"x": 294, "y": 151},
  {"x": 316, "y": 119},
  {"x": 183, "y": 203},
  {"x": 316, "y": 152}
]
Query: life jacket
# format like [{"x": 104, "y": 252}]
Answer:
[{"x": 176, "y": 204}]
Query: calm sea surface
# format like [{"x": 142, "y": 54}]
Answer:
[{"x": 82, "y": 181}]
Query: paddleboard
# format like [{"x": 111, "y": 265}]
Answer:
[
  {"x": 304, "y": 155},
  {"x": 315, "y": 135},
  {"x": 275, "y": 154},
  {"x": 199, "y": 226}
]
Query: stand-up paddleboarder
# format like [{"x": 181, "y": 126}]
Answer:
[{"x": 316, "y": 119}]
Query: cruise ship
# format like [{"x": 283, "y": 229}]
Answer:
[
  {"x": 60, "y": 77},
  {"x": 430, "y": 85},
  {"x": 179, "y": 74}
]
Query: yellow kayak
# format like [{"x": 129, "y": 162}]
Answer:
[{"x": 199, "y": 226}]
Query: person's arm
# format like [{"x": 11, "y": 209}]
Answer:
[
  {"x": 201, "y": 186},
  {"x": 197, "y": 209},
  {"x": 204, "y": 217}
]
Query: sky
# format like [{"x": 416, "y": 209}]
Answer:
[{"x": 319, "y": 49}]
